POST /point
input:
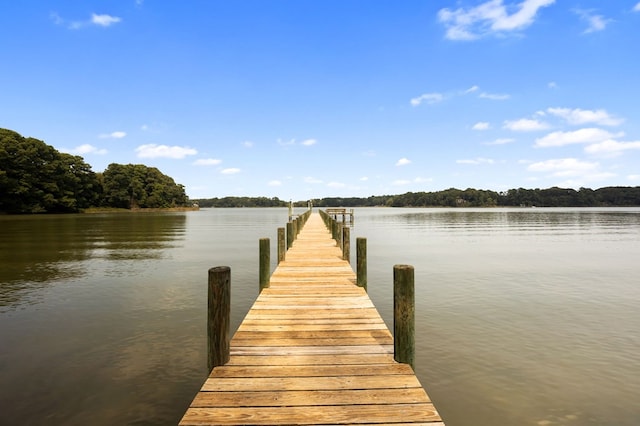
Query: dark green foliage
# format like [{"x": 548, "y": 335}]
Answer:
[
  {"x": 133, "y": 186},
  {"x": 452, "y": 197},
  {"x": 36, "y": 178},
  {"x": 242, "y": 202}
]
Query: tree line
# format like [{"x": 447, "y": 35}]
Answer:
[
  {"x": 36, "y": 178},
  {"x": 620, "y": 196}
]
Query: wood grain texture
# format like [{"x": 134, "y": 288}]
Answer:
[{"x": 312, "y": 350}]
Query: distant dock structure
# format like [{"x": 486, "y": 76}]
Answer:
[
  {"x": 341, "y": 215},
  {"x": 313, "y": 349}
]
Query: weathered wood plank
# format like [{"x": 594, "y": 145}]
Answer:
[
  {"x": 305, "y": 398},
  {"x": 310, "y": 415}
]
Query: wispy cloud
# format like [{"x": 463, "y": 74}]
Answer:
[
  {"x": 581, "y": 136},
  {"x": 230, "y": 171},
  {"x": 101, "y": 20},
  {"x": 579, "y": 116},
  {"x": 552, "y": 85},
  {"x": 437, "y": 97},
  {"x": 403, "y": 162},
  {"x": 525, "y": 125},
  {"x": 476, "y": 161},
  {"x": 336, "y": 185},
  {"x": 164, "y": 151},
  {"x": 84, "y": 150},
  {"x": 429, "y": 98},
  {"x": 564, "y": 167},
  {"x": 310, "y": 179},
  {"x": 291, "y": 142},
  {"x": 112, "y": 135},
  {"x": 481, "y": 125},
  {"x": 274, "y": 183},
  {"x": 104, "y": 20},
  {"x": 636, "y": 8},
  {"x": 500, "y": 141},
  {"x": 247, "y": 144},
  {"x": 491, "y": 17},
  {"x": 207, "y": 162},
  {"x": 611, "y": 148},
  {"x": 594, "y": 22},
  {"x": 494, "y": 96}
]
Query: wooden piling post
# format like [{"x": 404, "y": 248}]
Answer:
[
  {"x": 361, "y": 262},
  {"x": 265, "y": 262},
  {"x": 281, "y": 245},
  {"x": 404, "y": 314},
  {"x": 346, "y": 244},
  {"x": 218, "y": 316},
  {"x": 289, "y": 234}
]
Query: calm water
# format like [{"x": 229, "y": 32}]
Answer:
[{"x": 524, "y": 317}]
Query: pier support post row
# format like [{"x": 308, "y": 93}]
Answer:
[
  {"x": 218, "y": 316},
  {"x": 404, "y": 314},
  {"x": 361, "y": 262},
  {"x": 265, "y": 262}
]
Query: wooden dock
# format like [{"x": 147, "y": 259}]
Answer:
[{"x": 312, "y": 350}]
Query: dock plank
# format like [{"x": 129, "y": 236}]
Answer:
[{"x": 313, "y": 350}]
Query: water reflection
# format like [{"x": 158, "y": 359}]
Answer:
[{"x": 37, "y": 251}]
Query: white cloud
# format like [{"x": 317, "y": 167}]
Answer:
[
  {"x": 363, "y": 179},
  {"x": 611, "y": 148},
  {"x": 579, "y": 116},
  {"x": 586, "y": 135},
  {"x": 422, "y": 180},
  {"x": 489, "y": 17},
  {"x": 104, "y": 20},
  {"x": 112, "y": 135},
  {"x": 310, "y": 179},
  {"x": 230, "y": 171},
  {"x": 564, "y": 167},
  {"x": 275, "y": 183},
  {"x": 476, "y": 161},
  {"x": 500, "y": 141},
  {"x": 494, "y": 96},
  {"x": 336, "y": 185},
  {"x": 84, "y": 149},
  {"x": 525, "y": 125},
  {"x": 164, "y": 151},
  {"x": 472, "y": 89},
  {"x": 594, "y": 22},
  {"x": 247, "y": 144},
  {"x": 403, "y": 162},
  {"x": 430, "y": 98},
  {"x": 96, "y": 19},
  {"x": 308, "y": 142},
  {"x": 286, "y": 143},
  {"x": 400, "y": 182},
  {"x": 207, "y": 162},
  {"x": 552, "y": 85},
  {"x": 636, "y": 8},
  {"x": 481, "y": 125}
]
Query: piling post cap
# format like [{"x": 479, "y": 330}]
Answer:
[
  {"x": 219, "y": 269},
  {"x": 403, "y": 267}
]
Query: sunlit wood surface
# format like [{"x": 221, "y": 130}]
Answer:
[{"x": 312, "y": 350}]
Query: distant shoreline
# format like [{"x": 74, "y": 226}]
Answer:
[{"x": 94, "y": 210}]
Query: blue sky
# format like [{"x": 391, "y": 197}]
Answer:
[{"x": 308, "y": 99}]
